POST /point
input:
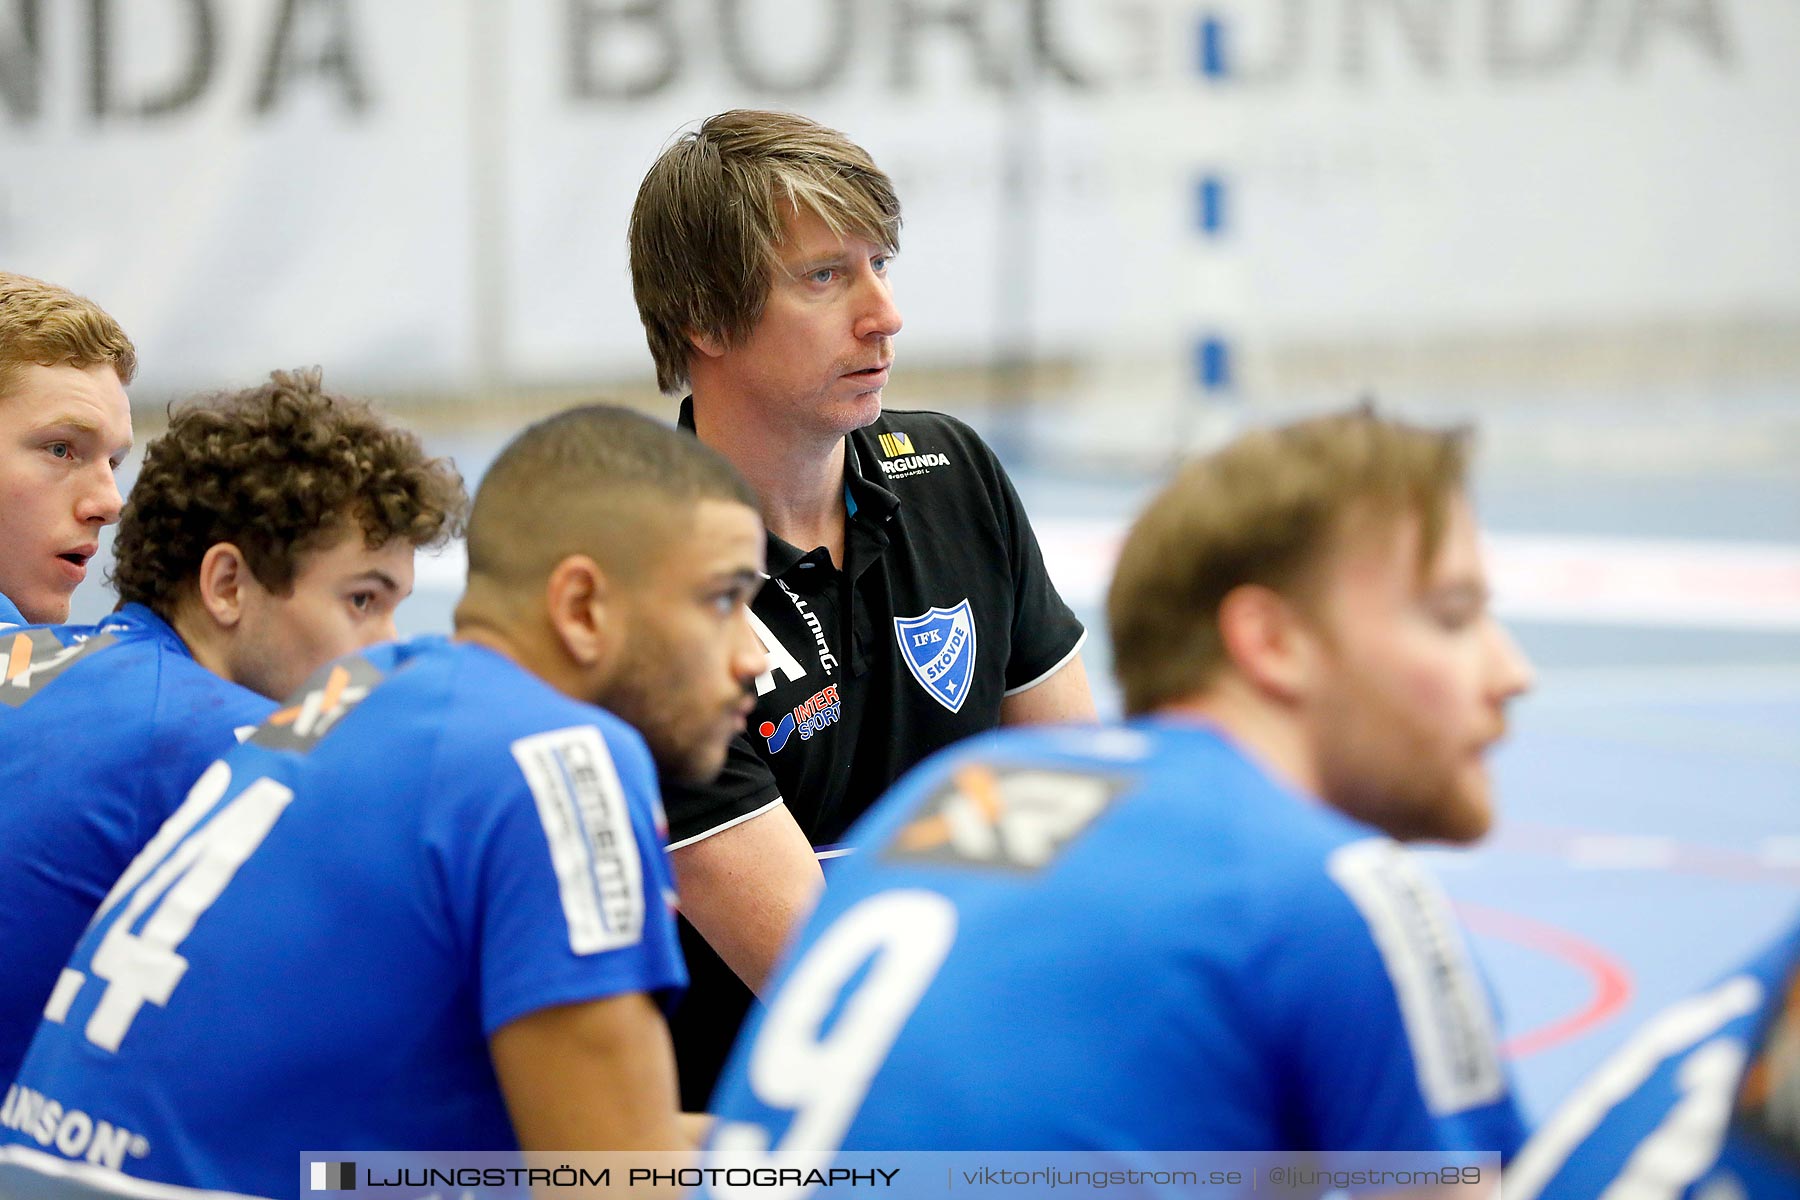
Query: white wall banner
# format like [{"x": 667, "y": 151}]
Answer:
[
  {"x": 433, "y": 193},
  {"x": 247, "y": 184}
]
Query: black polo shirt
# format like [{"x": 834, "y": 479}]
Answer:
[{"x": 941, "y": 608}]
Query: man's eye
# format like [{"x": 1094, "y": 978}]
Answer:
[
  {"x": 823, "y": 275},
  {"x": 880, "y": 263},
  {"x": 1455, "y": 619},
  {"x": 61, "y": 450},
  {"x": 726, "y": 603},
  {"x": 362, "y": 601}
]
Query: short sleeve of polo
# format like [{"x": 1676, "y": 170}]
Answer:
[
  {"x": 743, "y": 789},
  {"x": 1045, "y": 633}
]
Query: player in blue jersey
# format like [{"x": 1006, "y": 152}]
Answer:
[
  {"x": 426, "y": 906},
  {"x": 1703, "y": 1103},
  {"x": 257, "y": 546},
  {"x": 1194, "y": 931},
  {"x": 65, "y": 426}
]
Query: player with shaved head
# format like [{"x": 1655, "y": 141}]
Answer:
[
  {"x": 427, "y": 904},
  {"x": 648, "y": 505}
]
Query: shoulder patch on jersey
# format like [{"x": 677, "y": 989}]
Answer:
[
  {"x": 315, "y": 710},
  {"x": 1768, "y": 1103},
  {"x": 1442, "y": 1002},
  {"x": 30, "y": 660},
  {"x": 1014, "y": 818},
  {"x": 587, "y": 822}
]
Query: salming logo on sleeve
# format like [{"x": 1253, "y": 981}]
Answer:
[
  {"x": 1020, "y": 819},
  {"x": 29, "y": 661},
  {"x": 587, "y": 823},
  {"x": 1442, "y": 1003},
  {"x": 321, "y": 703}
]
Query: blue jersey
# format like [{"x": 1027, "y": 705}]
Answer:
[
  {"x": 9, "y": 612},
  {"x": 1704, "y": 1101},
  {"x": 103, "y": 729},
  {"x": 1119, "y": 939},
  {"x": 425, "y": 845}
]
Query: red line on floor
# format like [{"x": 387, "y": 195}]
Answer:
[{"x": 1610, "y": 981}]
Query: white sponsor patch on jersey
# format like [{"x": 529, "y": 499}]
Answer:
[
  {"x": 1442, "y": 1002},
  {"x": 588, "y": 825}
]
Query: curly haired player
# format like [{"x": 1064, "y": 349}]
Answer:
[{"x": 268, "y": 532}]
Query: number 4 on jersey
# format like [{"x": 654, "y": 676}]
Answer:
[{"x": 181, "y": 883}]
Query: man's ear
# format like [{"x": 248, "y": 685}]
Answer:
[
  {"x": 575, "y": 600},
  {"x": 224, "y": 578},
  {"x": 1270, "y": 641},
  {"x": 703, "y": 342}
]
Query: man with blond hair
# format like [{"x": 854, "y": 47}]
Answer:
[
  {"x": 65, "y": 426},
  {"x": 907, "y": 605},
  {"x": 254, "y": 549},
  {"x": 1196, "y": 930}
]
